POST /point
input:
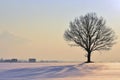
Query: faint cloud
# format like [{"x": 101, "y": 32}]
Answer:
[{"x": 8, "y": 38}]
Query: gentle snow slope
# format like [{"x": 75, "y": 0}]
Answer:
[{"x": 59, "y": 71}]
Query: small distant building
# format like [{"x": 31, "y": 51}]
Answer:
[
  {"x": 32, "y": 60},
  {"x": 10, "y": 60},
  {"x": 14, "y": 60}
]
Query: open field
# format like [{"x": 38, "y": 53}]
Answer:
[{"x": 59, "y": 71}]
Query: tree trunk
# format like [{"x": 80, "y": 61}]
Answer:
[{"x": 89, "y": 57}]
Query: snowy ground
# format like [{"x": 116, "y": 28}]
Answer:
[{"x": 59, "y": 71}]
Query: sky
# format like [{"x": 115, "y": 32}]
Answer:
[{"x": 35, "y": 28}]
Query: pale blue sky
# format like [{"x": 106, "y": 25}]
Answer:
[{"x": 36, "y": 27}]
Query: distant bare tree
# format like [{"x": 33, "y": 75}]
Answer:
[{"x": 90, "y": 33}]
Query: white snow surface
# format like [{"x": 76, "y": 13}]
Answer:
[{"x": 59, "y": 71}]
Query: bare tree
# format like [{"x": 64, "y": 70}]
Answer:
[{"x": 90, "y": 33}]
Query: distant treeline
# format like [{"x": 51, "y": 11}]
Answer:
[
  {"x": 16, "y": 60},
  {"x": 33, "y": 60}
]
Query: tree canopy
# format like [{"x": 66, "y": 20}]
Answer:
[{"x": 91, "y": 33}]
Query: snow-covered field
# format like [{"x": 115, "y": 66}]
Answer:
[{"x": 59, "y": 71}]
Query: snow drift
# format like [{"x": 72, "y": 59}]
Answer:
[{"x": 49, "y": 72}]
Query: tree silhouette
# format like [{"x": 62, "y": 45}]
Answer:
[{"x": 91, "y": 33}]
